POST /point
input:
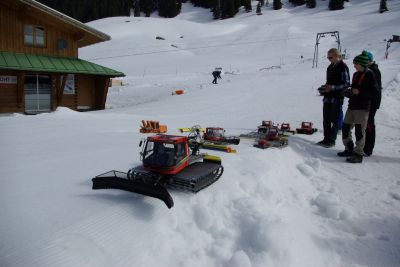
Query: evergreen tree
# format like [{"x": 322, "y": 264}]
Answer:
[
  {"x": 258, "y": 11},
  {"x": 311, "y": 3},
  {"x": 87, "y": 10},
  {"x": 237, "y": 4},
  {"x": 168, "y": 8},
  {"x": 217, "y": 9},
  {"x": 195, "y": 2},
  {"x": 78, "y": 11},
  {"x": 172, "y": 8},
  {"x": 148, "y": 7},
  {"x": 277, "y": 4},
  {"x": 228, "y": 9},
  {"x": 247, "y": 5},
  {"x": 178, "y": 6},
  {"x": 136, "y": 11},
  {"x": 202, "y": 3},
  {"x": 336, "y": 4},
  {"x": 298, "y": 2}
]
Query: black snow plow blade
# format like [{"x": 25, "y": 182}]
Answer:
[
  {"x": 226, "y": 140},
  {"x": 120, "y": 180},
  {"x": 232, "y": 140}
]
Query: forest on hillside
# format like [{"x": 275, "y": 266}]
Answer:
[{"x": 88, "y": 10}]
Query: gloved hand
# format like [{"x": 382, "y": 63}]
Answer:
[
  {"x": 321, "y": 90},
  {"x": 348, "y": 92}
]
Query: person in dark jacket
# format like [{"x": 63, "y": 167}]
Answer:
[
  {"x": 383, "y": 6},
  {"x": 363, "y": 89},
  {"x": 337, "y": 80},
  {"x": 375, "y": 104},
  {"x": 216, "y": 74}
]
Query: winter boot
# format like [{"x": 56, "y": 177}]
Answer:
[
  {"x": 348, "y": 152},
  {"x": 355, "y": 158},
  {"x": 326, "y": 143},
  {"x": 345, "y": 153},
  {"x": 321, "y": 143}
]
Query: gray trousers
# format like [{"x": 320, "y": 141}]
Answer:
[{"x": 357, "y": 119}]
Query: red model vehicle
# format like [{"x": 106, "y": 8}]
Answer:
[
  {"x": 285, "y": 129},
  {"x": 306, "y": 128},
  {"x": 216, "y": 135},
  {"x": 271, "y": 138},
  {"x": 168, "y": 161},
  {"x": 265, "y": 125}
]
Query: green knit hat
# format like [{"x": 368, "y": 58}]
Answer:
[{"x": 361, "y": 59}]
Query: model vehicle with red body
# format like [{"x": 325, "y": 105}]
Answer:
[
  {"x": 271, "y": 138},
  {"x": 167, "y": 161},
  {"x": 216, "y": 135},
  {"x": 306, "y": 128},
  {"x": 285, "y": 129}
]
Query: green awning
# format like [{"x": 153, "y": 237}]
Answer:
[{"x": 39, "y": 63}]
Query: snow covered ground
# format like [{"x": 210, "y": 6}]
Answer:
[{"x": 296, "y": 206}]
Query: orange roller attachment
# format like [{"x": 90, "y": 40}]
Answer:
[{"x": 153, "y": 127}]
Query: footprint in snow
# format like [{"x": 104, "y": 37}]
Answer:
[
  {"x": 383, "y": 238},
  {"x": 395, "y": 196},
  {"x": 239, "y": 259},
  {"x": 310, "y": 167},
  {"x": 329, "y": 206}
]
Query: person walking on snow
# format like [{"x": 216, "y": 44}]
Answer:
[
  {"x": 363, "y": 89},
  {"x": 216, "y": 74},
  {"x": 375, "y": 104},
  {"x": 337, "y": 80},
  {"x": 383, "y": 6}
]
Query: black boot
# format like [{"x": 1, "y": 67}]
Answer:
[
  {"x": 345, "y": 153},
  {"x": 348, "y": 152},
  {"x": 356, "y": 158}
]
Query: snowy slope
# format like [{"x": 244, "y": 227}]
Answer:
[{"x": 297, "y": 206}]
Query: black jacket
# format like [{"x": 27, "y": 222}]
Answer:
[
  {"x": 366, "y": 83},
  {"x": 216, "y": 74},
  {"x": 335, "y": 75},
  {"x": 376, "y": 101}
]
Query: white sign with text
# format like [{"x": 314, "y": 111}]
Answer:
[{"x": 8, "y": 79}]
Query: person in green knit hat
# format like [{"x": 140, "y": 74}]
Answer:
[
  {"x": 362, "y": 90},
  {"x": 375, "y": 104}
]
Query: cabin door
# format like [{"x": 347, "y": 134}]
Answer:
[{"x": 37, "y": 93}]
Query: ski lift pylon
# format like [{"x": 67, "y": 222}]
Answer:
[{"x": 319, "y": 36}]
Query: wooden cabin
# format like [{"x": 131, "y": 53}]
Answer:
[{"x": 39, "y": 65}]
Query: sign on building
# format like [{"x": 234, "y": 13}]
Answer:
[
  {"x": 8, "y": 79},
  {"x": 69, "y": 88}
]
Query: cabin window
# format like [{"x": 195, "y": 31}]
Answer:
[{"x": 34, "y": 35}]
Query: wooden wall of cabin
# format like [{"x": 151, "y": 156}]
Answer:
[
  {"x": 85, "y": 92},
  {"x": 12, "y": 33},
  {"x": 11, "y": 94},
  {"x": 92, "y": 92}
]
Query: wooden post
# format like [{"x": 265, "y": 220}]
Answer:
[
  {"x": 102, "y": 84},
  {"x": 20, "y": 90},
  {"x": 60, "y": 88}
]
